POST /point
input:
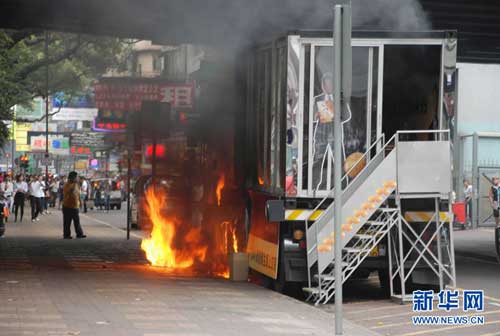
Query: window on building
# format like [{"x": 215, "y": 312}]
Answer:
[{"x": 157, "y": 63}]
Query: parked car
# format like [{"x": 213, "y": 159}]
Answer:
[
  {"x": 97, "y": 193},
  {"x": 176, "y": 190}
]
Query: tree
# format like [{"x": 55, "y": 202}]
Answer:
[{"x": 74, "y": 62}]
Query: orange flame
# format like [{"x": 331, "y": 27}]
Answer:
[
  {"x": 235, "y": 241},
  {"x": 160, "y": 247},
  {"x": 179, "y": 247},
  {"x": 218, "y": 189},
  {"x": 261, "y": 180}
]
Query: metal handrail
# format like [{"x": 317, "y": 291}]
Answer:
[
  {"x": 423, "y": 131},
  {"x": 394, "y": 139},
  {"x": 447, "y": 132},
  {"x": 380, "y": 139},
  {"x": 346, "y": 175}
]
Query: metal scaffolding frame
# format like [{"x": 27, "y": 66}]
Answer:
[{"x": 421, "y": 250}]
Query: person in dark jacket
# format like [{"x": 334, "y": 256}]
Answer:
[{"x": 71, "y": 206}]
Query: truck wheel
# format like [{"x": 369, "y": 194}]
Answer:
[
  {"x": 119, "y": 207},
  {"x": 383, "y": 276},
  {"x": 280, "y": 284}
]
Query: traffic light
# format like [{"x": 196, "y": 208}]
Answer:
[
  {"x": 25, "y": 161},
  {"x": 160, "y": 151}
]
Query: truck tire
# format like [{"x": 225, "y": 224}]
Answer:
[
  {"x": 280, "y": 284},
  {"x": 383, "y": 276},
  {"x": 119, "y": 207}
]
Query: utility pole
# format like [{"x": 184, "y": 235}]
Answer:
[
  {"x": 342, "y": 75},
  {"x": 47, "y": 108}
]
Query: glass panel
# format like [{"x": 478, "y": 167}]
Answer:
[
  {"x": 273, "y": 130},
  {"x": 353, "y": 121},
  {"x": 280, "y": 110},
  {"x": 305, "y": 117},
  {"x": 259, "y": 98},
  {"x": 267, "y": 117},
  {"x": 449, "y": 97},
  {"x": 374, "y": 105},
  {"x": 411, "y": 90}
]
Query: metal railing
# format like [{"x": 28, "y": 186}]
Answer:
[
  {"x": 361, "y": 176},
  {"x": 366, "y": 156}
]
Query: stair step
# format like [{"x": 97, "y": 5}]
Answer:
[
  {"x": 352, "y": 249},
  {"x": 364, "y": 236},
  {"x": 311, "y": 290},
  {"x": 375, "y": 223},
  {"x": 344, "y": 264},
  {"x": 387, "y": 209},
  {"x": 328, "y": 278}
]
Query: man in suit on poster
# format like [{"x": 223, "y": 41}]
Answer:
[{"x": 323, "y": 116}]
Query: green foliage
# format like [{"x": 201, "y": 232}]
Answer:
[{"x": 74, "y": 62}]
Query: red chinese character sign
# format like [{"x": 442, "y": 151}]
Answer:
[
  {"x": 80, "y": 150},
  {"x": 127, "y": 95},
  {"x": 109, "y": 126}
]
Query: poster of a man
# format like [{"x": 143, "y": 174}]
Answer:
[
  {"x": 323, "y": 116},
  {"x": 323, "y": 104},
  {"x": 353, "y": 117}
]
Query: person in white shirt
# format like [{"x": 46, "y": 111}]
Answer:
[
  {"x": 468, "y": 199},
  {"x": 20, "y": 190},
  {"x": 84, "y": 190},
  {"x": 37, "y": 193},
  {"x": 54, "y": 187},
  {"x": 7, "y": 188},
  {"x": 44, "y": 200}
]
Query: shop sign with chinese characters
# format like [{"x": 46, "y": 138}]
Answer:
[
  {"x": 58, "y": 142},
  {"x": 127, "y": 95}
]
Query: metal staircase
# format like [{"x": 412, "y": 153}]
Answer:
[
  {"x": 366, "y": 217},
  {"x": 354, "y": 253},
  {"x": 365, "y": 221}
]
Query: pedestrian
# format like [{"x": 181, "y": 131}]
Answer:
[
  {"x": 107, "y": 194},
  {"x": 468, "y": 200},
  {"x": 60, "y": 191},
  {"x": 84, "y": 194},
  {"x": 30, "y": 180},
  {"x": 494, "y": 197},
  {"x": 7, "y": 188},
  {"x": 54, "y": 187},
  {"x": 45, "y": 198},
  {"x": 71, "y": 205},
  {"x": 21, "y": 188},
  {"x": 36, "y": 191},
  {"x": 98, "y": 203}
]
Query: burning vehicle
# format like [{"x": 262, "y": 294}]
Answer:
[
  {"x": 182, "y": 199},
  {"x": 283, "y": 215},
  {"x": 399, "y": 81},
  {"x": 175, "y": 186}
]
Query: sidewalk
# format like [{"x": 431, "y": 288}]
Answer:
[
  {"x": 478, "y": 243},
  {"x": 102, "y": 285}
]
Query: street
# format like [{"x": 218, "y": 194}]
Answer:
[
  {"x": 102, "y": 285},
  {"x": 366, "y": 306},
  {"x": 273, "y": 157},
  {"x": 476, "y": 269}
]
